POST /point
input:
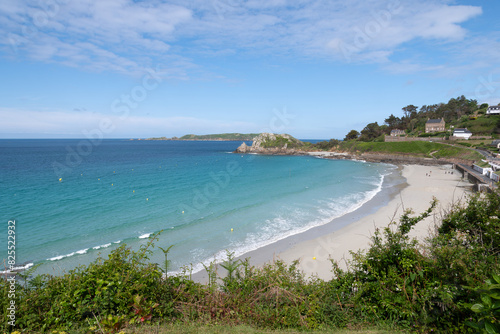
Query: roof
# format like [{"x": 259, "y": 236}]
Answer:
[
  {"x": 435, "y": 121},
  {"x": 460, "y": 130}
]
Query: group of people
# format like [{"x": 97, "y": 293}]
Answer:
[{"x": 446, "y": 172}]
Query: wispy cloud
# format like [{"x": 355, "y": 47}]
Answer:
[{"x": 126, "y": 36}]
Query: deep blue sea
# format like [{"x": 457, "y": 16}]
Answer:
[{"x": 73, "y": 199}]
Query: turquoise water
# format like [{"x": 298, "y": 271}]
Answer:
[{"x": 73, "y": 200}]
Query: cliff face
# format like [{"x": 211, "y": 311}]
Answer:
[{"x": 270, "y": 143}]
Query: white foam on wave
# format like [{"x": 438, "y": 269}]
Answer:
[
  {"x": 102, "y": 246},
  {"x": 17, "y": 268},
  {"x": 144, "y": 236},
  {"x": 280, "y": 228}
]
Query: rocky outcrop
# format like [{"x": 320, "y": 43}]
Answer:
[{"x": 270, "y": 143}]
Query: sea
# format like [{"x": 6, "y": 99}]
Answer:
[{"x": 73, "y": 201}]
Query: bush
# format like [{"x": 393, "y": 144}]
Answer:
[
  {"x": 397, "y": 283},
  {"x": 103, "y": 288}
]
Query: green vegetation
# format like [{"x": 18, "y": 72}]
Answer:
[
  {"x": 486, "y": 125},
  {"x": 414, "y": 148},
  {"x": 281, "y": 141},
  {"x": 223, "y": 136},
  {"x": 450, "y": 285},
  {"x": 458, "y": 112}
]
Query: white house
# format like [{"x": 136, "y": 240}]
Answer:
[
  {"x": 462, "y": 133},
  {"x": 490, "y": 169},
  {"x": 493, "y": 110},
  {"x": 494, "y": 176},
  {"x": 483, "y": 167}
]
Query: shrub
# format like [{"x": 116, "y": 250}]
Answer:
[{"x": 103, "y": 288}]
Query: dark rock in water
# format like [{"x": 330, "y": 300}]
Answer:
[{"x": 243, "y": 148}]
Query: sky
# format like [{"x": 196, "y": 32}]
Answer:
[{"x": 312, "y": 68}]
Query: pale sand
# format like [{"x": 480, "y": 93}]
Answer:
[{"x": 448, "y": 188}]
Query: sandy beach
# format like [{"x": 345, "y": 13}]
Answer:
[
  {"x": 352, "y": 232},
  {"x": 423, "y": 183}
]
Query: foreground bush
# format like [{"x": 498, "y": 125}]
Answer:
[{"x": 396, "y": 283}]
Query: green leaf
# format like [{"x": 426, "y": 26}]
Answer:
[
  {"x": 497, "y": 278},
  {"x": 490, "y": 329},
  {"x": 477, "y": 308},
  {"x": 486, "y": 299}
]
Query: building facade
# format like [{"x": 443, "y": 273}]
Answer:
[
  {"x": 462, "y": 133},
  {"x": 435, "y": 125},
  {"x": 493, "y": 110}
]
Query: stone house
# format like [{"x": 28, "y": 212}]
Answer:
[
  {"x": 397, "y": 132},
  {"x": 435, "y": 125}
]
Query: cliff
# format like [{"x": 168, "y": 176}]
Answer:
[{"x": 270, "y": 143}]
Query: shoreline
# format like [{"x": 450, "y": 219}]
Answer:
[
  {"x": 423, "y": 183},
  {"x": 406, "y": 187},
  {"x": 392, "y": 184}
]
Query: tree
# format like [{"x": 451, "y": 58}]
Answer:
[
  {"x": 352, "y": 135},
  {"x": 370, "y": 132},
  {"x": 410, "y": 110},
  {"x": 392, "y": 122}
]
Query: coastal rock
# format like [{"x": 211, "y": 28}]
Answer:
[
  {"x": 273, "y": 144},
  {"x": 243, "y": 148}
]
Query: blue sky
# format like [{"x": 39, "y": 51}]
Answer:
[{"x": 311, "y": 68}]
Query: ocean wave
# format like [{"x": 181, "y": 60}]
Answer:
[
  {"x": 78, "y": 252},
  {"x": 281, "y": 227},
  {"x": 144, "y": 236},
  {"x": 16, "y": 268},
  {"x": 102, "y": 246}
]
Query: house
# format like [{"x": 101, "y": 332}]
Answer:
[
  {"x": 397, "y": 133},
  {"x": 435, "y": 125},
  {"x": 462, "y": 133},
  {"x": 490, "y": 169},
  {"x": 495, "y": 176},
  {"x": 496, "y": 143},
  {"x": 483, "y": 167},
  {"x": 493, "y": 110}
]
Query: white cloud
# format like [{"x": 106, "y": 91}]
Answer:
[{"x": 127, "y": 36}]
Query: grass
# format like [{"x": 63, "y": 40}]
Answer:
[
  {"x": 243, "y": 329},
  {"x": 414, "y": 148},
  {"x": 482, "y": 126}
]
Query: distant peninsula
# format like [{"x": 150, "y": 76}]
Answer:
[{"x": 213, "y": 137}]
